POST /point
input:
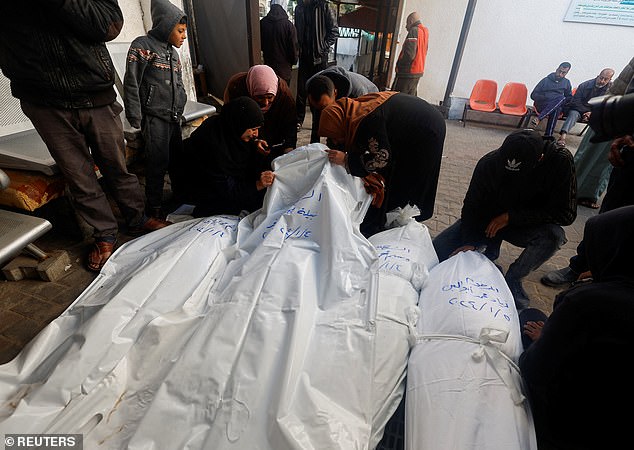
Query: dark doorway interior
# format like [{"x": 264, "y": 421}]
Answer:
[
  {"x": 373, "y": 24},
  {"x": 224, "y": 38}
]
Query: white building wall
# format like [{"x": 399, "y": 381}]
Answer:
[{"x": 513, "y": 40}]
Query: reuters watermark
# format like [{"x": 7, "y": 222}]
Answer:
[{"x": 43, "y": 441}]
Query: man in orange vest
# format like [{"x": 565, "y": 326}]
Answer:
[{"x": 411, "y": 62}]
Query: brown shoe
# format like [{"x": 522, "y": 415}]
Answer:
[
  {"x": 151, "y": 224},
  {"x": 99, "y": 254},
  {"x": 156, "y": 212}
]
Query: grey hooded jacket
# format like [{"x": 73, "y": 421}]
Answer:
[
  {"x": 153, "y": 81},
  {"x": 348, "y": 84}
]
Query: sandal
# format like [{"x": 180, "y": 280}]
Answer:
[
  {"x": 99, "y": 254},
  {"x": 588, "y": 203},
  {"x": 560, "y": 143}
]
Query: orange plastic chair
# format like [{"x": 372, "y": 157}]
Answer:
[
  {"x": 513, "y": 99},
  {"x": 483, "y": 95}
]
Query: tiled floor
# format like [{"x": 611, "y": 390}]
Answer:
[{"x": 27, "y": 306}]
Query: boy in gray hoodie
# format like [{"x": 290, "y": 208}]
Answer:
[{"x": 155, "y": 97}]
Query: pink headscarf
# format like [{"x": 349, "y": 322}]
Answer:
[{"x": 261, "y": 80}]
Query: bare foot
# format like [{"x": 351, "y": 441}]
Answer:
[
  {"x": 533, "y": 329},
  {"x": 584, "y": 275}
]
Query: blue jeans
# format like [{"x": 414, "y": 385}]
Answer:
[
  {"x": 551, "y": 109},
  {"x": 571, "y": 120},
  {"x": 539, "y": 242}
]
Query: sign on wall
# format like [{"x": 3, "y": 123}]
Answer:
[{"x": 609, "y": 12}]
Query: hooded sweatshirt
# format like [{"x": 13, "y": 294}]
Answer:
[
  {"x": 279, "y": 41},
  {"x": 153, "y": 82},
  {"x": 517, "y": 179},
  {"x": 348, "y": 84}
]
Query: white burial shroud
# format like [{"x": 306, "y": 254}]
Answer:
[
  {"x": 277, "y": 331},
  {"x": 464, "y": 390}
]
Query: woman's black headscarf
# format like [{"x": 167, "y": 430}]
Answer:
[
  {"x": 221, "y": 147},
  {"x": 240, "y": 114}
]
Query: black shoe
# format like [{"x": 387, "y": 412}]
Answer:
[
  {"x": 559, "y": 278},
  {"x": 519, "y": 294}
]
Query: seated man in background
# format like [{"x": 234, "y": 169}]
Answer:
[
  {"x": 522, "y": 193},
  {"x": 331, "y": 84},
  {"x": 549, "y": 97},
  {"x": 578, "y": 106}
]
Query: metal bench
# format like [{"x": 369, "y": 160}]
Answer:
[
  {"x": 21, "y": 148},
  {"x": 19, "y": 231}
]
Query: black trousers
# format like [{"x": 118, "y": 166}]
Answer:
[
  {"x": 161, "y": 140},
  {"x": 305, "y": 70}
]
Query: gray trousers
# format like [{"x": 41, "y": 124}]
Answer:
[
  {"x": 77, "y": 140},
  {"x": 406, "y": 85},
  {"x": 539, "y": 242}
]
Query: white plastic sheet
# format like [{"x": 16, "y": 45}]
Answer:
[
  {"x": 406, "y": 255},
  {"x": 151, "y": 289},
  {"x": 217, "y": 333},
  {"x": 464, "y": 390}
]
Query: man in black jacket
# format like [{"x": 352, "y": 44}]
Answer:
[
  {"x": 55, "y": 56},
  {"x": 317, "y": 32},
  {"x": 521, "y": 193},
  {"x": 279, "y": 40}
]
